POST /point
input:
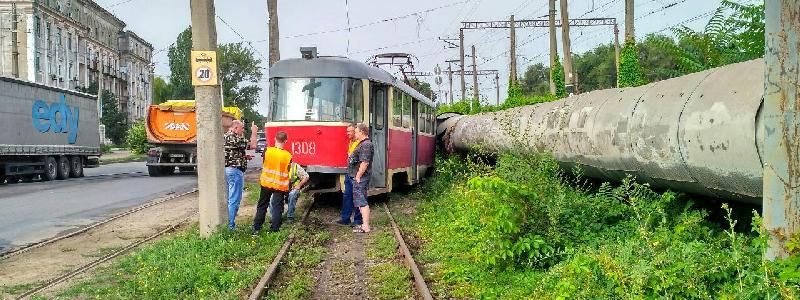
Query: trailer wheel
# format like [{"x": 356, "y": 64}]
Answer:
[
  {"x": 63, "y": 168},
  {"x": 27, "y": 178},
  {"x": 76, "y": 168},
  {"x": 154, "y": 171},
  {"x": 12, "y": 179},
  {"x": 50, "y": 169}
]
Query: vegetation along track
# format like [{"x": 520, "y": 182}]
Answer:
[
  {"x": 86, "y": 267},
  {"x": 32, "y": 246},
  {"x": 267, "y": 279}
]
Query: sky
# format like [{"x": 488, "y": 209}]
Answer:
[{"x": 410, "y": 26}]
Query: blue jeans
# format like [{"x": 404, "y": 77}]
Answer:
[
  {"x": 235, "y": 179},
  {"x": 347, "y": 203},
  {"x": 293, "y": 196}
]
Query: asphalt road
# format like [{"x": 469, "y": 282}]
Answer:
[{"x": 39, "y": 210}]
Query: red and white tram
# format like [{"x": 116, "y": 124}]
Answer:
[{"x": 313, "y": 99}]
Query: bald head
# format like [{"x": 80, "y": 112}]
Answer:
[{"x": 237, "y": 127}]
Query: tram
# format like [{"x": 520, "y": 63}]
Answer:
[{"x": 313, "y": 99}]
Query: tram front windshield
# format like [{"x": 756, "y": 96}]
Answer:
[{"x": 316, "y": 99}]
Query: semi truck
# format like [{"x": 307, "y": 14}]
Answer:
[
  {"x": 172, "y": 130},
  {"x": 48, "y": 133}
]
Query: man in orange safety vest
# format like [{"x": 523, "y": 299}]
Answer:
[{"x": 274, "y": 183}]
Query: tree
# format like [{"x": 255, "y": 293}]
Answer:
[
  {"x": 535, "y": 80},
  {"x": 735, "y": 33},
  {"x": 630, "y": 71},
  {"x": 558, "y": 78},
  {"x": 179, "y": 66},
  {"x": 240, "y": 73},
  {"x": 162, "y": 90},
  {"x": 597, "y": 68},
  {"x": 112, "y": 118},
  {"x": 423, "y": 88},
  {"x": 656, "y": 58},
  {"x": 136, "y": 139}
]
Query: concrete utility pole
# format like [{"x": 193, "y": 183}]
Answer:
[
  {"x": 450, "y": 79},
  {"x": 497, "y": 87},
  {"x": 474, "y": 76},
  {"x": 274, "y": 33},
  {"x": 568, "y": 78},
  {"x": 616, "y": 50},
  {"x": 553, "y": 45},
  {"x": 210, "y": 154},
  {"x": 629, "y": 34},
  {"x": 781, "y": 203},
  {"x": 461, "y": 51},
  {"x": 513, "y": 53}
]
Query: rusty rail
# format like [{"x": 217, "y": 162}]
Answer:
[
  {"x": 419, "y": 281},
  {"x": 272, "y": 270}
]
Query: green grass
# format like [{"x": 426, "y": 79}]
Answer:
[
  {"x": 252, "y": 191},
  {"x": 389, "y": 280},
  {"x": 130, "y": 158},
  {"x": 19, "y": 288},
  {"x": 382, "y": 246},
  {"x": 296, "y": 278},
  {"x": 523, "y": 229},
  {"x": 185, "y": 266}
]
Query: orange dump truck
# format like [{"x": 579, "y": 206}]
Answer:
[{"x": 172, "y": 130}]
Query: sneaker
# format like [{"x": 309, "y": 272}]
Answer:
[
  {"x": 255, "y": 232},
  {"x": 289, "y": 220},
  {"x": 341, "y": 222}
]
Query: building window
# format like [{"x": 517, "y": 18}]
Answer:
[
  {"x": 69, "y": 41},
  {"x": 49, "y": 37},
  {"x": 37, "y": 26},
  {"x": 36, "y": 63}
]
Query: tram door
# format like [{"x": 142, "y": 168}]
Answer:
[
  {"x": 414, "y": 132},
  {"x": 378, "y": 99}
]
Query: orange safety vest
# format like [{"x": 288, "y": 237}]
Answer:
[{"x": 275, "y": 171}]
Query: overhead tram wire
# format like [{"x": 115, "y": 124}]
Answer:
[
  {"x": 366, "y": 24},
  {"x": 264, "y": 59}
]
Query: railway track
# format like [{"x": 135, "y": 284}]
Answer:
[
  {"x": 29, "y": 247},
  {"x": 91, "y": 265},
  {"x": 419, "y": 282}
]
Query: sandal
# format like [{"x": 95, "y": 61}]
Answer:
[{"x": 360, "y": 230}]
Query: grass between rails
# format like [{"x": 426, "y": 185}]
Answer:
[
  {"x": 388, "y": 276},
  {"x": 521, "y": 229}
]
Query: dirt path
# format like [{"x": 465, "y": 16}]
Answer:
[
  {"x": 329, "y": 261},
  {"x": 342, "y": 275}
]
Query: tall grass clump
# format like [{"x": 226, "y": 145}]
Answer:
[{"x": 523, "y": 228}]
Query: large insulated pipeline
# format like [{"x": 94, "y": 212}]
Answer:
[{"x": 697, "y": 134}]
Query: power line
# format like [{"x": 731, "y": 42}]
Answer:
[
  {"x": 367, "y": 24},
  {"x": 264, "y": 59}
]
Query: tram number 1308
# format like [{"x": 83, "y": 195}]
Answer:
[{"x": 305, "y": 148}]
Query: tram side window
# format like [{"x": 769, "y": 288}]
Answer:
[
  {"x": 380, "y": 106},
  {"x": 427, "y": 119},
  {"x": 397, "y": 109},
  {"x": 423, "y": 110},
  {"x": 354, "y": 107},
  {"x": 406, "y": 111}
]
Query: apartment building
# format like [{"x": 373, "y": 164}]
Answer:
[{"x": 73, "y": 43}]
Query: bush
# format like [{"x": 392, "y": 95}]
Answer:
[
  {"x": 136, "y": 139},
  {"x": 523, "y": 228}
]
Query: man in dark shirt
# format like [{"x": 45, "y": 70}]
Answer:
[
  {"x": 236, "y": 165},
  {"x": 359, "y": 167}
]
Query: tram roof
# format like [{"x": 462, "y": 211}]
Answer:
[{"x": 340, "y": 67}]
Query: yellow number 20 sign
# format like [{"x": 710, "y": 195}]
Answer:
[{"x": 204, "y": 68}]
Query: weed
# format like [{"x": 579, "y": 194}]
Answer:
[
  {"x": 389, "y": 281},
  {"x": 186, "y": 266},
  {"x": 522, "y": 229}
]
